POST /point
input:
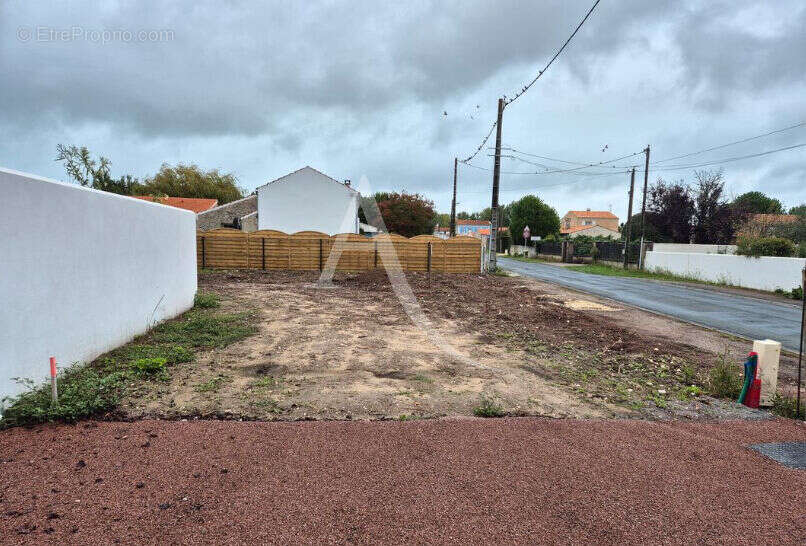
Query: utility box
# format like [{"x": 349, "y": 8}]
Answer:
[{"x": 769, "y": 353}]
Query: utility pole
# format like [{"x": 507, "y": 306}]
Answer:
[
  {"x": 496, "y": 178},
  {"x": 643, "y": 210},
  {"x": 627, "y": 224},
  {"x": 453, "y": 203}
]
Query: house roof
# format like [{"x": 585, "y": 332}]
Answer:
[
  {"x": 192, "y": 204},
  {"x": 592, "y": 214},
  {"x": 583, "y": 228},
  {"x": 472, "y": 222},
  {"x": 309, "y": 168},
  {"x": 773, "y": 218},
  {"x": 486, "y": 231}
]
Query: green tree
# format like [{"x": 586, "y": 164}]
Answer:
[
  {"x": 407, "y": 214},
  {"x": 442, "y": 219},
  {"x": 530, "y": 211},
  {"x": 86, "y": 171},
  {"x": 191, "y": 181},
  {"x": 800, "y": 210},
  {"x": 755, "y": 202}
]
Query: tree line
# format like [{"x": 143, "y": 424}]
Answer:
[{"x": 175, "y": 181}]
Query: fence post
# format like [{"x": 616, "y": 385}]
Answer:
[
  {"x": 263, "y": 252},
  {"x": 321, "y": 265},
  {"x": 429, "y": 256},
  {"x": 204, "y": 261}
]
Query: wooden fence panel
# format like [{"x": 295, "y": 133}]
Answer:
[
  {"x": 309, "y": 251},
  {"x": 223, "y": 249}
]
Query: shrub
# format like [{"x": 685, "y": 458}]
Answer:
[
  {"x": 802, "y": 249},
  {"x": 787, "y": 406},
  {"x": 765, "y": 246},
  {"x": 488, "y": 408},
  {"x": 723, "y": 379}
]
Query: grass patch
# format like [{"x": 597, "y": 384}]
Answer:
[
  {"x": 206, "y": 300},
  {"x": 212, "y": 384},
  {"x": 488, "y": 408},
  {"x": 267, "y": 382},
  {"x": 203, "y": 330},
  {"x": 611, "y": 271},
  {"x": 98, "y": 387}
]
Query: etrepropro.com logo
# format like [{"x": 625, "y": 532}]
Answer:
[{"x": 95, "y": 36}]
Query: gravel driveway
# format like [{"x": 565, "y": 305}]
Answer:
[{"x": 460, "y": 481}]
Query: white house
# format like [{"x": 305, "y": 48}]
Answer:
[{"x": 308, "y": 200}]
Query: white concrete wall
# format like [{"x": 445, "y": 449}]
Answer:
[
  {"x": 698, "y": 249},
  {"x": 84, "y": 271},
  {"x": 765, "y": 273},
  {"x": 308, "y": 200}
]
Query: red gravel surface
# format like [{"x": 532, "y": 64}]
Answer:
[{"x": 444, "y": 481}]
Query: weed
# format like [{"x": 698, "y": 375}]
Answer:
[
  {"x": 689, "y": 392},
  {"x": 498, "y": 272},
  {"x": 723, "y": 381},
  {"x": 689, "y": 375},
  {"x": 212, "y": 384},
  {"x": 82, "y": 392},
  {"x": 149, "y": 367},
  {"x": 787, "y": 406},
  {"x": 423, "y": 378},
  {"x": 488, "y": 408},
  {"x": 206, "y": 300},
  {"x": 267, "y": 382}
]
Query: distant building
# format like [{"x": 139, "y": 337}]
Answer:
[
  {"x": 308, "y": 200},
  {"x": 763, "y": 225},
  {"x": 471, "y": 227},
  {"x": 241, "y": 213},
  {"x": 590, "y": 231},
  {"x": 188, "y": 203},
  {"x": 576, "y": 221}
]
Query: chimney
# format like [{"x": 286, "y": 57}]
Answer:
[
  {"x": 347, "y": 182},
  {"x": 588, "y": 209}
]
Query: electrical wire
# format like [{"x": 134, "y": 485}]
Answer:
[
  {"x": 483, "y": 142},
  {"x": 725, "y": 160},
  {"x": 531, "y": 83},
  {"x": 559, "y": 51},
  {"x": 801, "y": 124}
]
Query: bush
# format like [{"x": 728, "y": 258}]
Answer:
[
  {"x": 787, "y": 406},
  {"x": 724, "y": 381},
  {"x": 488, "y": 408},
  {"x": 802, "y": 249},
  {"x": 765, "y": 246}
]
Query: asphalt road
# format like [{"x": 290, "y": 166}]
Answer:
[{"x": 752, "y": 318}]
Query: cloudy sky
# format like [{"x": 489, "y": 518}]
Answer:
[{"x": 359, "y": 88}]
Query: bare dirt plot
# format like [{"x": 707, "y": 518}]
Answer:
[{"x": 351, "y": 352}]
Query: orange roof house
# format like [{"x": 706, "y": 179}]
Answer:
[
  {"x": 586, "y": 219},
  {"x": 192, "y": 204}
]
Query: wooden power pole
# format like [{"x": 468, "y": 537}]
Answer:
[
  {"x": 453, "y": 202},
  {"x": 643, "y": 210},
  {"x": 496, "y": 179},
  {"x": 627, "y": 224}
]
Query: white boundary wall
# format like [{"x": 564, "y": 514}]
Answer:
[
  {"x": 765, "y": 273},
  {"x": 84, "y": 271},
  {"x": 695, "y": 249}
]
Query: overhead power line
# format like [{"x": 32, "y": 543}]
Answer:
[
  {"x": 801, "y": 124},
  {"x": 531, "y": 83},
  {"x": 540, "y": 73},
  {"x": 483, "y": 142},
  {"x": 727, "y": 159}
]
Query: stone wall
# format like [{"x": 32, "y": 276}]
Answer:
[{"x": 224, "y": 214}]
